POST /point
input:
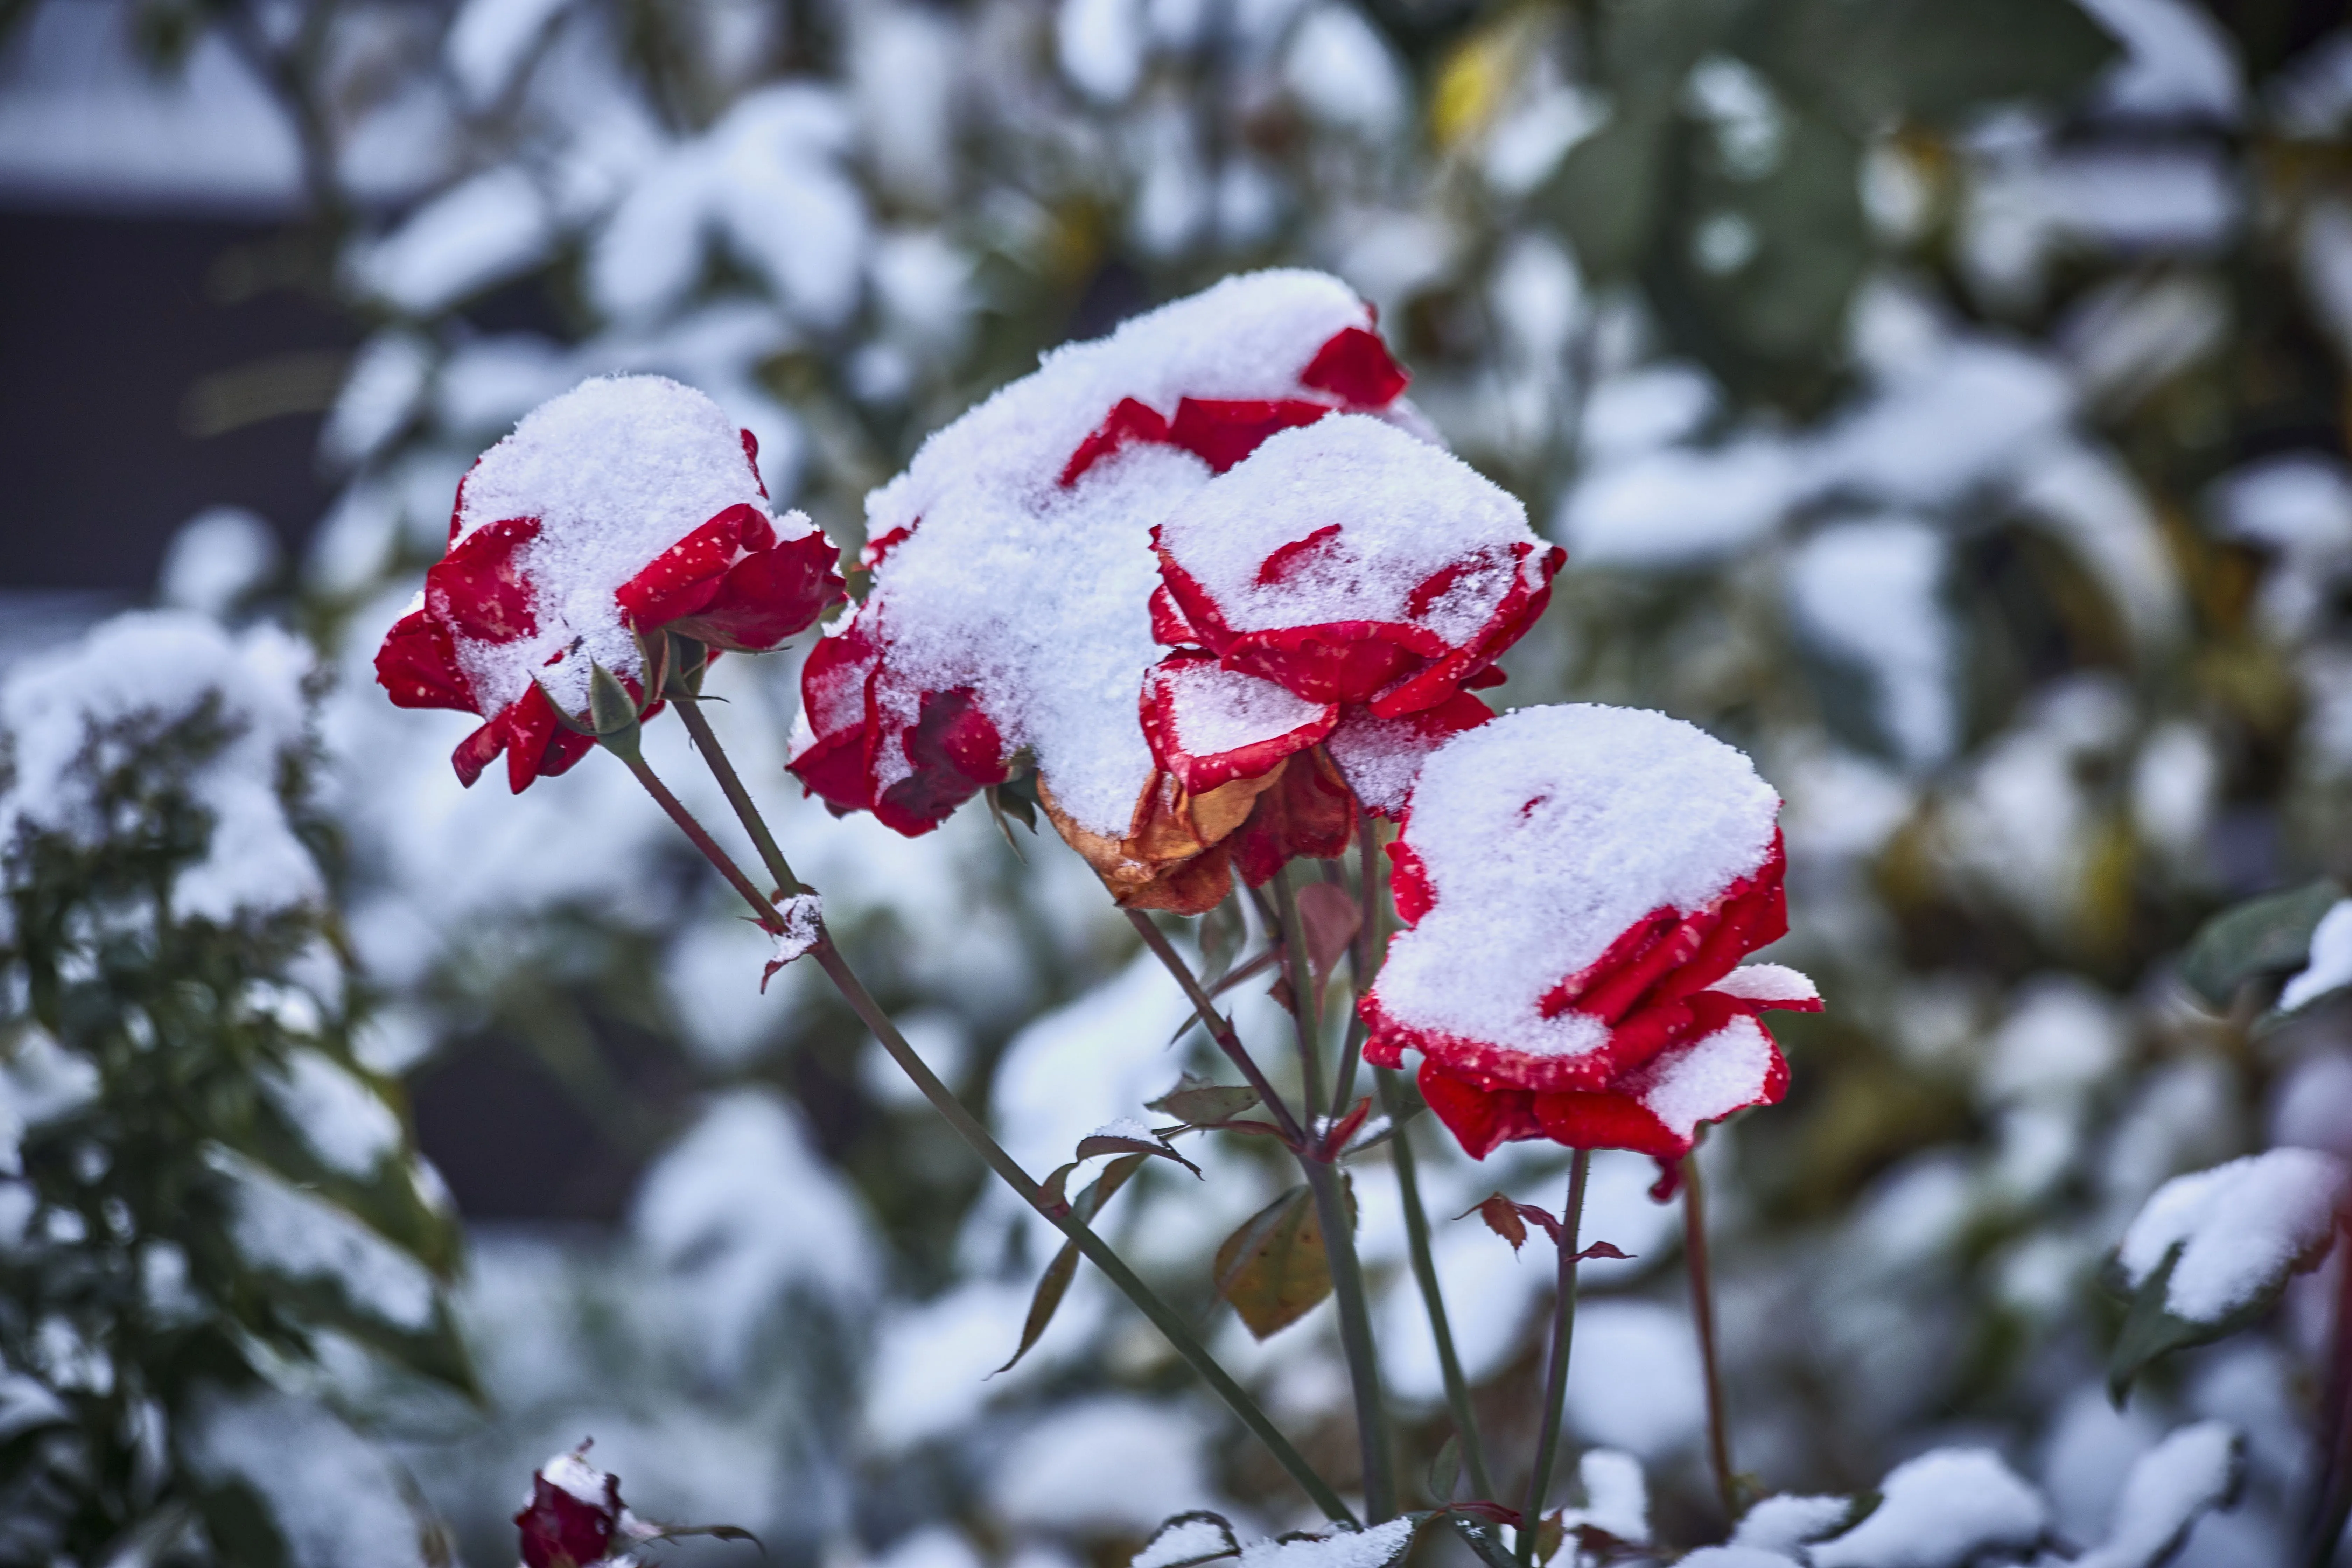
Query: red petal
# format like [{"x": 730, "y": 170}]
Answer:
[
  {"x": 1289, "y": 558},
  {"x": 837, "y": 699},
  {"x": 1409, "y": 887},
  {"x": 417, "y": 666},
  {"x": 1355, "y": 366},
  {"x": 957, "y": 752},
  {"x": 751, "y": 455},
  {"x": 683, "y": 578},
  {"x": 1198, "y": 771},
  {"x": 1130, "y": 421},
  {"x": 877, "y": 550},
  {"x": 476, "y": 751},
  {"x": 530, "y": 724},
  {"x": 1309, "y": 814},
  {"x": 1168, "y": 626},
  {"x": 769, "y": 595},
  {"x": 1482, "y": 1119},
  {"x": 477, "y": 590},
  {"x": 1606, "y": 1120},
  {"x": 1222, "y": 431}
]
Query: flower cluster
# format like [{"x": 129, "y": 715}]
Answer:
[
  {"x": 1579, "y": 884},
  {"x": 1233, "y": 477},
  {"x": 624, "y": 508}
]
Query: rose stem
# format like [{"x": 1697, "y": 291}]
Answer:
[
  {"x": 1702, "y": 1284},
  {"x": 1425, "y": 1273},
  {"x": 1304, "y": 1013},
  {"x": 1220, "y": 1028},
  {"x": 861, "y": 1002},
  {"x": 766, "y": 912},
  {"x": 714, "y": 755},
  {"x": 1369, "y": 934},
  {"x": 1363, "y": 956},
  {"x": 1563, "y": 1336},
  {"x": 1338, "y": 1222}
]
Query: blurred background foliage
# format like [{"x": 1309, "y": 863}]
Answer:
[{"x": 1944, "y": 399}]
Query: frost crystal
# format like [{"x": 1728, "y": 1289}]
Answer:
[{"x": 2242, "y": 1228}]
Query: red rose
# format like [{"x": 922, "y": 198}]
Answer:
[
  {"x": 1352, "y": 563},
  {"x": 1012, "y": 575},
  {"x": 573, "y": 1516},
  {"x": 626, "y": 507},
  {"x": 1581, "y": 883}
]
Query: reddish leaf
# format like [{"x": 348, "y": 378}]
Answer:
[
  {"x": 1345, "y": 1128},
  {"x": 1331, "y": 919},
  {"x": 1502, "y": 1217},
  {"x": 1602, "y": 1249}
]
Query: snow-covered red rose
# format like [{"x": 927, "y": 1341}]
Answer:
[
  {"x": 1579, "y": 885},
  {"x": 627, "y": 506},
  {"x": 575, "y": 1515},
  {"x": 1013, "y": 573}
]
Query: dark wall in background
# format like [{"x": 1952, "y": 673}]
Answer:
[{"x": 151, "y": 367}]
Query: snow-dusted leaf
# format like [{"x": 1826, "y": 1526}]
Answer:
[
  {"x": 1128, "y": 1136},
  {"x": 1274, "y": 1269},
  {"x": 2264, "y": 936},
  {"x": 1186, "y": 1539},
  {"x": 2210, "y": 1252},
  {"x": 2329, "y": 968},
  {"x": 2195, "y": 1469},
  {"x": 1942, "y": 1509},
  {"x": 1374, "y": 1548}
]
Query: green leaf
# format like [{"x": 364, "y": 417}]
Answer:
[
  {"x": 1932, "y": 62},
  {"x": 1196, "y": 1102},
  {"x": 2152, "y": 1331},
  {"x": 1055, "y": 1283},
  {"x": 2261, "y": 938},
  {"x": 1606, "y": 196},
  {"x": 1274, "y": 1268},
  {"x": 1446, "y": 1470},
  {"x": 689, "y": 661}
]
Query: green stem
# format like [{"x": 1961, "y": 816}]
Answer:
[
  {"x": 706, "y": 741},
  {"x": 1338, "y": 1222},
  {"x": 1563, "y": 1338},
  {"x": 1424, "y": 1274},
  {"x": 1702, "y": 1283},
  {"x": 1363, "y": 958},
  {"x": 1095, "y": 1250},
  {"x": 694, "y": 831},
  {"x": 1220, "y": 1028},
  {"x": 1305, "y": 1012}
]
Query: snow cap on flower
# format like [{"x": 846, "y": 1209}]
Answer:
[
  {"x": 573, "y": 1515},
  {"x": 1580, "y": 883},
  {"x": 628, "y": 505},
  {"x": 1350, "y": 562},
  {"x": 1010, "y": 613}
]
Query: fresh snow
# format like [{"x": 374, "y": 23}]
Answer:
[
  {"x": 1394, "y": 510},
  {"x": 2194, "y": 1469},
  {"x": 1786, "y": 1523},
  {"x": 1616, "y": 1496},
  {"x": 1942, "y": 1509},
  {"x": 1185, "y": 1540},
  {"x": 345, "y": 1122},
  {"x": 1717, "y": 1075},
  {"x": 1216, "y": 710},
  {"x": 616, "y": 471},
  {"x": 1545, "y": 835},
  {"x": 804, "y": 918},
  {"x": 1036, "y": 595},
  {"x": 2242, "y": 1228},
  {"x": 2329, "y": 965},
  {"x": 63, "y": 716},
  {"x": 1373, "y": 1548},
  {"x": 286, "y": 1231}
]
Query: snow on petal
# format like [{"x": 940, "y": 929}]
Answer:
[{"x": 2242, "y": 1228}]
